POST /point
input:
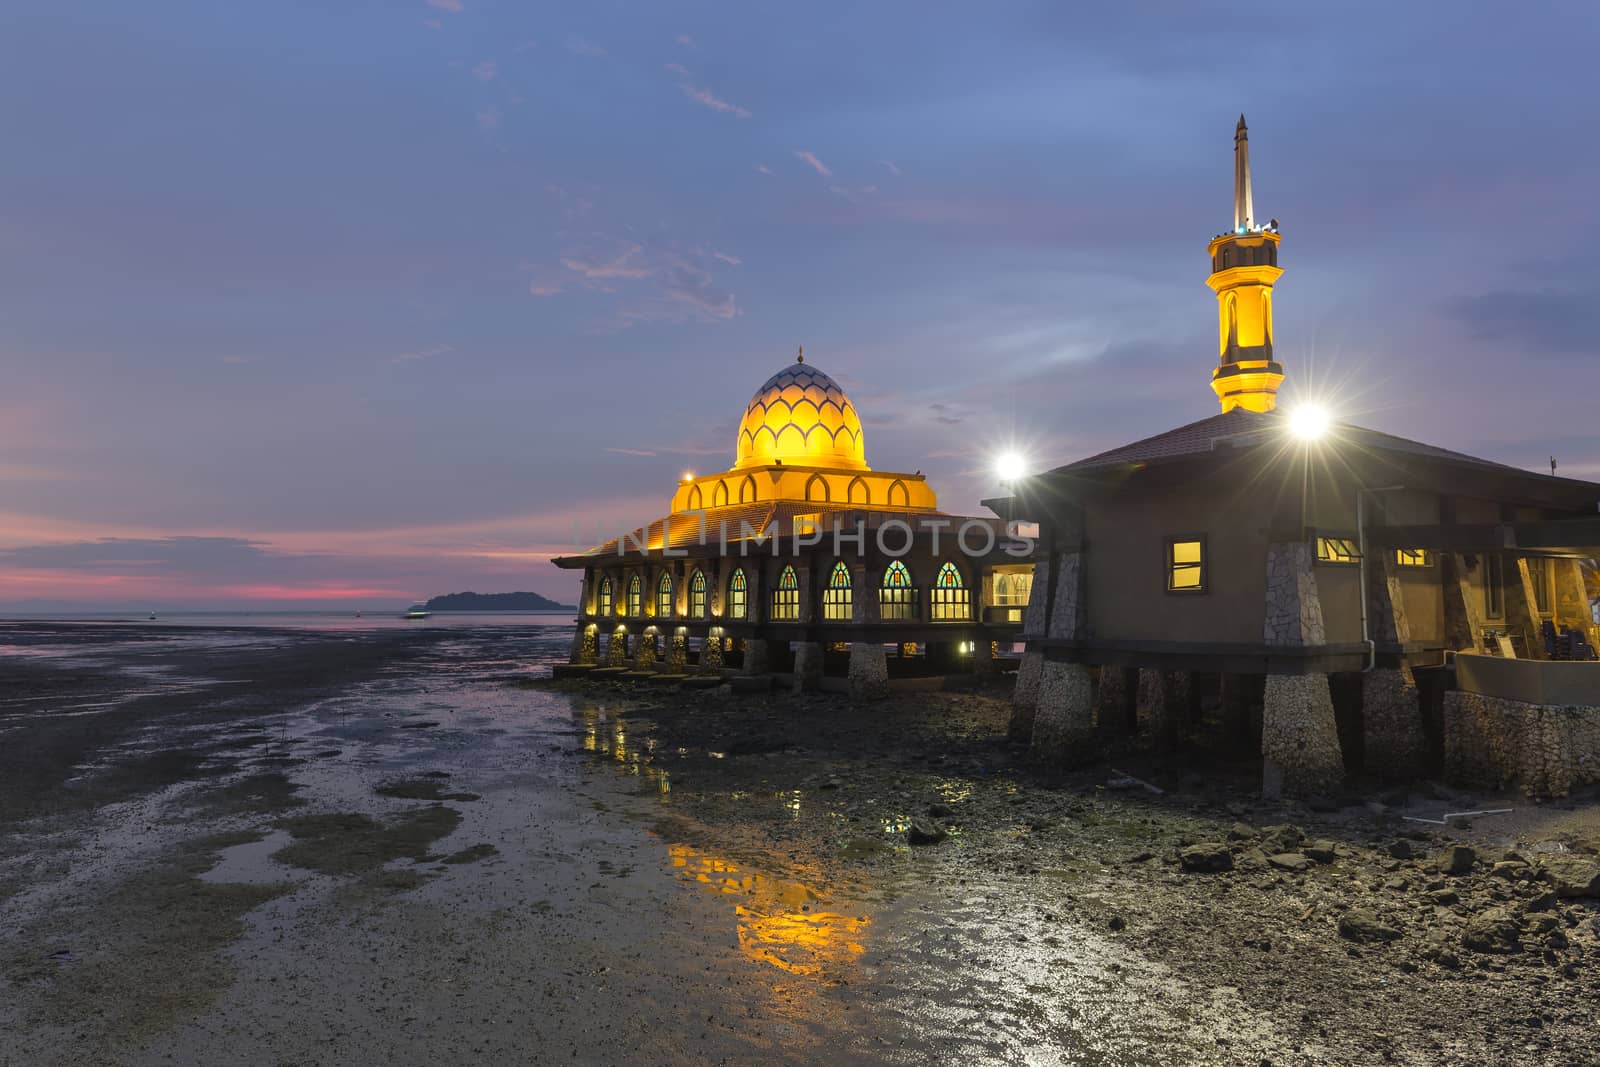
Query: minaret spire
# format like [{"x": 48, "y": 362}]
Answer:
[{"x": 1244, "y": 208}]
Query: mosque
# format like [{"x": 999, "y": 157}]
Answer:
[
  {"x": 1338, "y": 599},
  {"x": 801, "y": 563}
]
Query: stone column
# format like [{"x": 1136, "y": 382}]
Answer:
[
  {"x": 1116, "y": 705},
  {"x": 1239, "y": 695},
  {"x": 1522, "y": 609},
  {"x": 678, "y": 651},
  {"x": 1025, "y": 694},
  {"x": 585, "y": 642},
  {"x": 1463, "y": 608},
  {"x": 1157, "y": 713},
  {"x": 644, "y": 658},
  {"x": 1391, "y": 714},
  {"x": 808, "y": 665},
  {"x": 617, "y": 648},
  {"x": 868, "y": 672},
  {"x": 1571, "y": 604},
  {"x": 757, "y": 656},
  {"x": 711, "y": 653},
  {"x": 1299, "y": 736},
  {"x": 1063, "y": 723}
]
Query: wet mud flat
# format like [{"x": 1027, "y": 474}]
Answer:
[
  {"x": 402, "y": 847},
  {"x": 1199, "y": 924}
]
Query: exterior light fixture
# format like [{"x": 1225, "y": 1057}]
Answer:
[
  {"x": 688, "y": 476},
  {"x": 1309, "y": 422},
  {"x": 1010, "y": 467}
]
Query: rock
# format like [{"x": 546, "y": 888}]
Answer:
[
  {"x": 1206, "y": 857},
  {"x": 1283, "y": 838},
  {"x": 1542, "y": 902},
  {"x": 1117, "y": 923},
  {"x": 1400, "y": 850},
  {"x": 925, "y": 832},
  {"x": 1445, "y": 896},
  {"x": 1365, "y": 927},
  {"x": 940, "y": 811},
  {"x": 1495, "y": 931},
  {"x": 1457, "y": 859},
  {"x": 1289, "y": 861},
  {"x": 1320, "y": 851},
  {"x": 1572, "y": 875},
  {"x": 1510, "y": 870},
  {"x": 1240, "y": 832}
]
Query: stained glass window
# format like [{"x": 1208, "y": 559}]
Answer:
[
  {"x": 836, "y": 603},
  {"x": 952, "y": 601},
  {"x": 664, "y": 597},
  {"x": 697, "y": 595},
  {"x": 635, "y": 597},
  {"x": 786, "y": 596},
  {"x": 897, "y": 600},
  {"x": 737, "y": 591},
  {"x": 603, "y": 598}
]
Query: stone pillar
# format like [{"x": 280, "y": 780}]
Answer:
[
  {"x": 617, "y": 648},
  {"x": 1063, "y": 728},
  {"x": 1391, "y": 714},
  {"x": 711, "y": 653},
  {"x": 757, "y": 656},
  {"x": 678, "y": 651},
  {"x": 1463, "y": 608},
  {"x": 984, "y": 658},
  {"x": 585, "y": 643},
  {"x": 808, "y": 665},
  {"x": 1183, "y": 699},
  {"x": 1522, "y": 609},
  {"x": 869, "y": 671},
  {"x": 1239, "y": 694},
  {"x": 1571, "y": 604},
  {"x": 1156, "y": 711},
  {"x": 1025, "y": 696},
  {"x": 1116, "y": 704},
  {"x": 1299, "y": 736},
  {"x": 644, "y": 658}
]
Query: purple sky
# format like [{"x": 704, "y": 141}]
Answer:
[{"x": 352, "y": 304}]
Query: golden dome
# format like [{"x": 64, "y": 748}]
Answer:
[{"x": 800, "y": 417}]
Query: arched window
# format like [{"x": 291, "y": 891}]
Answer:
[
  {"x": 697, "y": 595},
  {"x": 952, "y": 601},
  {"x": 899, "y": 496},
  {"x": 719, "y": 499},
  {"x": 696, "y": 501},
  {"x": 635, "y": 597},
  {"x": 817, "y": 488},
  {"x": 603, "y": 598},
  {"x": 664, "y": 597},
  {"x": 858, "y": 492},
  {"x": 897, "y": 600},
  {"x": 747, "y": 490},
  {"x": 738, "y": 606},
  {"x": 786, "y": 596},
  {"x": 836, "y": 604}
]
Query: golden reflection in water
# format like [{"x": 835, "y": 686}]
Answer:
[
  {"x": 606, "y": 735},
  {"x": 781, "y": 923}
]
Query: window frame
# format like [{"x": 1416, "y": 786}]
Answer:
[
  {"x": 786, "y": 599},
  {"x": 1494, "y": 586},
  {"x": 635, "y": 597},
  {"x": 945, "y": 601},
  {"x": 738, "y": 595},
  {"x": 1340, "y": 551},
  {"x": 664, "y": 595},
  {"x": 1169, "y": 564},
  {"x": 699, "y": 601},
  {"x": 604, "y": 597},
  {"x": 1425, "y": 554},
  {"x": 838, "y": 596},
  {"x": 898, "y": 602}
]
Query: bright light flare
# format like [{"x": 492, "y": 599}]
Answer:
[
  {"x": 1010, "y": 466},
  {"x": 688, "y": 476},
  {"x": 1309, "y": 422}
]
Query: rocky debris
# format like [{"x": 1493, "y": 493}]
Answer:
[
  {"x": 1206, "y": 858},
  {"x": 1458, "y": 859},
  {"x": 1289, "y": 861},
  {"x": 1282, "y": 838},
  {"x": 925, "y": 832},
  {"x": 1573, "y": 875},
  {"x": 1511, "y": 870},
  {"x": 1444, "y": 897},
  {"x": 1364, "y": 927},
  {"x": 1117, "y": 923},
  {"x": 1400, "y": 850},
  {"x": 1494, "y": 931},
  {"x": 1320, "y": 851},
  {"x": 940, "y": 811},
  {"x": 1240, "y": 832}
]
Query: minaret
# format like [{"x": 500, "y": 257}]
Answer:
[{"x": 1244, "y": 264}]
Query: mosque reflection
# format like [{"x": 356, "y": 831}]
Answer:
[
  {"x": 781, "y": 923},
  {"x": 605, "y": 734}
]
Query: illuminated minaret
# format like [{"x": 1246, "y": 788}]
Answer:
[{"x": 1244, "y": 264}]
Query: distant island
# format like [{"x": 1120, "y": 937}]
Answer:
[{"x": 495, "y": 602}]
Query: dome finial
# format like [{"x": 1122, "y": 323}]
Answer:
[{"x": 800, "y": 357}]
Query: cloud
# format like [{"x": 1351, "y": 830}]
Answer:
[
  {"x": 454, "y": 7},
  {"x": 422, "y": 354},
  {"x": 945, "y": 413},
  {"x": 810, "y": 160},
  {"x": 631, "y": 451},
  {"x": 1533, "y": 321},
  {"x": 731, "y": 260},
  {"x": 703, "y": 96},
  {"x": 762, "y": 168},
  {"x": 627, "y": 263},
  {"x": 685, "y": 40},
  {"x": 486, "y": 71},
  {"x": 689, "y": 285},
  {"x": 580, "y": 47},
  {"x": 888, "y": 165},
  {"x": 684, "y": 286},
  {"x": 489, "y": 119},
  {"x": 432, "y": 24}
]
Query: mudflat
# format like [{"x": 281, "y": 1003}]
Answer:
[{"x": 403, "y": 846}]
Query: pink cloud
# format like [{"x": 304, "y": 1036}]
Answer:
[
  {"x": 486, "y": 71},
  {"x": 454, "y": 7},
  {"x": 810, "y": 160}
]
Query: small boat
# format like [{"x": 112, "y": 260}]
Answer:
[{"x": 418, "y": 613}]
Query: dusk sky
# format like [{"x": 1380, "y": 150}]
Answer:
[{"x": 351, "y": 304}]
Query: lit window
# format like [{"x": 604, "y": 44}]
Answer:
[
  {"x": 1186, "y": 566},
  {"x": 664, "y": 597},
  {"x": 635, "y": 597},
  {"x": 836, "y": 601},
  {"x": 697, "y": 595},
  {"x": 952, "y": 601},
  {"x": 897, "y": 600},
  {"x": 1413, "y": 557},
  {"x": 1012, "y": 590},
  {"x": 1337, "y": 550},
  {"x": 1494, "y": 586},
  {"x": 786, "y": 596},
  {"x": 603, "y": 598},
  {"x": 737, "y": 591}
]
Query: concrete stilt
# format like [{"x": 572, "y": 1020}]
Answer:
[
  {"x": 1025, "y": 696},
  {"x": 1116, "y": 704},
  {"x": 1156, "y": 711},
  {"x": 678, "y": 651},
  {"x": 585, "y": 644},
  {"x": 1391, "y": 724},
  {"x": 1063, "y": 726},
  {"x": 644, "y": 657},
  {"x": 1299, "y": 737},
  {"x": 807, "y": 666},
  {"x": 711, "y": 653},
  {"x": 869, "y": 671},
  {"x": 617, "y": 648},
  {"x": 757, "y": 656}
]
